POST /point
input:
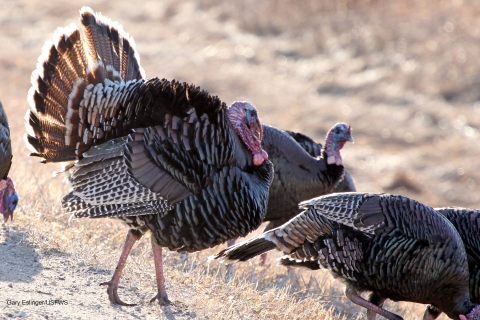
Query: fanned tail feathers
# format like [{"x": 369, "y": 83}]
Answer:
[
  {"x": 108, "y": 42},
  {"x": 72, "y": 74}
]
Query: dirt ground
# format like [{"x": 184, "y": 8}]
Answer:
[{"x": 404, "y": 75}]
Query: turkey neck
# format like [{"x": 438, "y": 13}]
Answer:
[
  {"x": 332, "y": 150},
  {"x": 334, "y": 171}
]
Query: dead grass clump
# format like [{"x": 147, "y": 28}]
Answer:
[{"x": 426, "y": 47}]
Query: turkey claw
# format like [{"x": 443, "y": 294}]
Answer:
[
  {"x": 113, "y": 295},
  {"x": 163, "y": 301}
]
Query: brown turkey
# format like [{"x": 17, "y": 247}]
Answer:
[
  {"x": 393, "y": 246},
  {"x": 161, "y": 155},
  {"x": 467, "y": 223},
  {"x": 8, "y": 195}
]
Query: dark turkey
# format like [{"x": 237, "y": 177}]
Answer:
[
  {"x": 391, "y": 245},
  {"x": 161, "y": 155},
  {"x": 8, "y": 195},
  {"x": 467, "y": 223},
  {"x": 315, "y": 150},
  {"x": 302, "y": 171}
]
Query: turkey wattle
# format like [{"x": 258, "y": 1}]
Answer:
[{"x": 161, "y": 155}]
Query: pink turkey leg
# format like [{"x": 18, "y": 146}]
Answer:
[
  {"x": 132, "y": 237},
  {"x": 157, "y": 258}
]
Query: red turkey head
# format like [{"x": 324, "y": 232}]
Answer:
[
  {"x": 336, "y": 138},
  {"x": 244, "y": 119},
  {"x": 8, "y": 198}
]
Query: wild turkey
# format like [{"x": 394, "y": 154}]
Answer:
[
  {"x": 302, "y": 171},
  {"x": 160, "y": 155},
  {"x": 8, "y": 195},
  {"x": 315, "y": 150},
  {"x": 467, "y": 223},
  {"x": 393, "y": 246}
]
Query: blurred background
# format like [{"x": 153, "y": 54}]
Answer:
[{"x": 404, "y": 74}]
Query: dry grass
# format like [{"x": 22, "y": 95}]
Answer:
[{"x": 404, "y": 74}]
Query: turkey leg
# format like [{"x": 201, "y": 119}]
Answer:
[
  {"x": 132, "y": 237},
  {"x": 157, "y": 258},
  {"x": 355, "y": 297}
]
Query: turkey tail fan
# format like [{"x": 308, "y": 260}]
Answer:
[
  {"x": 63, "y": 121},
  {"x": 108, "y": 42},
  {"x": 62, "y": 62}
]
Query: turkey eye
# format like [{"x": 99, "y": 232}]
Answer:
[{"x": 337, "y": 131}]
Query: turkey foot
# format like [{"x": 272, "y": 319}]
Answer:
[
  {"x": 132, "y": 237},
  {"x": 161, "y": 296},
  {"x": 113, "y": 295},
  {"x": 163, "y": 301}
]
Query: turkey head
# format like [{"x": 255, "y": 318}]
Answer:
[
  {"x": 9, "y": 198},
  {"x": 244, "y": 119},
  {"x": 336, "y": 138}
]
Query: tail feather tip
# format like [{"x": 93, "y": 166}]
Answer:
[{"x": 223, "y": 258}]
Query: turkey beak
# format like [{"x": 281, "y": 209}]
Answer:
[{"x": 348, "y": 137}]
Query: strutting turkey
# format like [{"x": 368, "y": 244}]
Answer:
[
  {"x": 161, "y": 155},
  {"x": 391, "y": 245},
  {"x": 8, "y": 195},
  {"x": 467, "y": 223}
]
